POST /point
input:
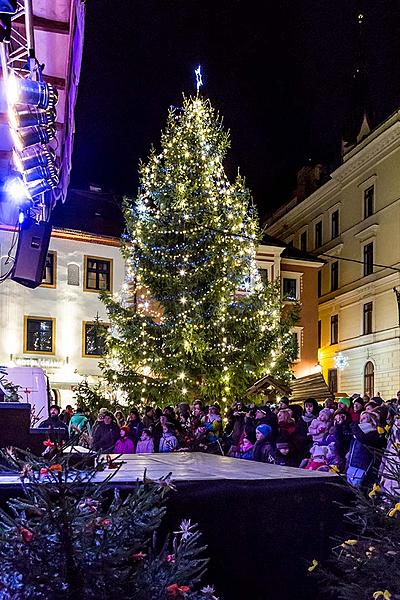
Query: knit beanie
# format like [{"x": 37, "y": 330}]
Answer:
[
  {"x": 345, "y": 401},
  {"x": 264, "y": 429}
]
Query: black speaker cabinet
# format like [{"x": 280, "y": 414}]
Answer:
[
  {"x": 15, "y": 420},
  {"x": 33, "y": 243}
]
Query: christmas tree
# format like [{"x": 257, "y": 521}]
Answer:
[
  {"x": 68, "y": 537},
  {"x": 196, "y": 320}
]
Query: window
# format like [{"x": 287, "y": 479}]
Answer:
[
  {"x": 263, "y": 275},
  {"x": 98, "y": 274},
  {"x": 289, "y": 244},
  {"x": 295, "y": 338},
  {"x": 318, "y": 234},
  {"x": 289, "y": 288},
  {"x": 73, "y": 274},
  {"x": 319, "y": 334},
  {"x": 332, "y": 380},
  {"x": 367, "y": 318},
  {"x": 93, "y": 342},
  {"x": 335, "y": 224},
  {"x": 334, "y": 275},
  {"x": 39, "y": 335},
  {"x": 369, "y": 201},
  {"x": 319, "y": 284},
  {"x": 49, "y": 273},
  {"x": 334, "y": 329},
  {"x": 368, "y": 258},
  {"x": 303, "y": 241},
  {"x": 369, "y": 379}
]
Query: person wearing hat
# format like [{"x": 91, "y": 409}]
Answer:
[
  {"x": 124, "y": 445},
  {"x": 265, "y": 416},
  {"x": 263, "y": 448},
  {"x": 58, "y": 430},
  {"x": 363, "y": 460},
  {"x": 358, "y": 408},
  {"x": 106, "y": 434},
  {"x": 284, "y": 453}
]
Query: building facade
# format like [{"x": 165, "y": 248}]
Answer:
[
  {"x": 56, "y": 325},
  {"x": 352, "y": 222},
  {"x": 297, "y": 273}
]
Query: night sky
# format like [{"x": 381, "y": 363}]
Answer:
[{"x": 279, "y": 72}]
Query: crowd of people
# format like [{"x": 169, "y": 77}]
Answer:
[{"x": 349, "y": 436}]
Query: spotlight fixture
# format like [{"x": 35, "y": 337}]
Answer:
[
  {"x": 16, "y": 190},
  {"x": 29, "y": 136},
  {"x": 34, "y": 93},
  {"x": 34, "y": 156}
]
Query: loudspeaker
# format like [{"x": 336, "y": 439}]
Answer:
[{"x": 30, "y": 259}]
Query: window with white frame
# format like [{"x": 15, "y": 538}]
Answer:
[
  {"x": 297, "y": 335},
  {"x": 290, "y": 286}
]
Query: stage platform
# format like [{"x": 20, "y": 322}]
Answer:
[{"x": 263, "y": 524}]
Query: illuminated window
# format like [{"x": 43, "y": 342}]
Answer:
[
  {"x": 369, "y": 379},
  {"x": 289, "y": 288},
  {"x": 93, "y": 342},
  {"x": 98, "y": 274},
  {"x": 39, "y": 335}
]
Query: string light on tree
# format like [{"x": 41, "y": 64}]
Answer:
[{"x": 189, "y": 252}]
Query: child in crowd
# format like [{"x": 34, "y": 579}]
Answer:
[
  {"x": 320, "y": 427},
  {"x": 318, "y": 459},
  {"x": 146, "y": 443},
  {"x": 168, "y": 441},
  {"x": 124, "y": 445},
  {"x": 246, "y": 446},
  {"x": 263, "y": 448},
  {"x": 284, "y": 455}
]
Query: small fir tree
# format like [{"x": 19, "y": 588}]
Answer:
[
  {"x": 68, "y": 537},
  {"x": 197, "y": 320}
]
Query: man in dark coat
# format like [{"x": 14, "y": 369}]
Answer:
[
  {"x": 58, "y": 431},
  {"x": 106, "y": 434}
]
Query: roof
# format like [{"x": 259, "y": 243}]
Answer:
[
  {"x": 289, "y": 251},
  {"x": 91, "y": 212},
  {"x": 311, "y": 386}
]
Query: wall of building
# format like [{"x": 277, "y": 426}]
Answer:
[
  {"x": 69, "y": 305},
  {"x": 374, "y": 162}
]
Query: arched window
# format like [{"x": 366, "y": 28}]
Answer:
[
  {"x": 369, "y": 379},
  {"x": 73, "y": 274}
]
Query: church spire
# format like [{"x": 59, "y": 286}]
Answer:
[{"x": 358, "y": 120}]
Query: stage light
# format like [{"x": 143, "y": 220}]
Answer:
[
  {"x": 32, "y": 135},
  {"x": 16, "y": 190},
  {"x": 39, "y": 173},
  {"x": 29, "y": 118},
  {"x": 39, "y": 186},
  {"x": 28, "y": 91},
  {"x": 34, "y": 156}
]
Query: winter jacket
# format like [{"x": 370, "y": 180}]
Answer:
[
  {"x": 145, "y": 447},
  {"x": 105, "y": 436},
  {"x": 80, "y": 421},
  {"x": 124, "y": 446},
  {"x": 365, "y": 441},
  {"x": 135, "y": 430},
  {"x": 168, "y": 442},
  {"x": 58, "y": 429},
  {"x": 264, "y": 452}
]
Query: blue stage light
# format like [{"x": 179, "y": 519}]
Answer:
[
  {"x": 16, "y": 190},
  {"x": 28, "y": 91},
  {"x": 34, "y": 156},
  {"x": 32, "y": 135},
  {"x": 29, "y": 118}
]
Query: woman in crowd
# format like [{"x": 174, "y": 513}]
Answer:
[{"x": 363, "y": 459}]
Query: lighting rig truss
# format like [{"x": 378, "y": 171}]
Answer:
[{"x": 32, "y": 114}]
